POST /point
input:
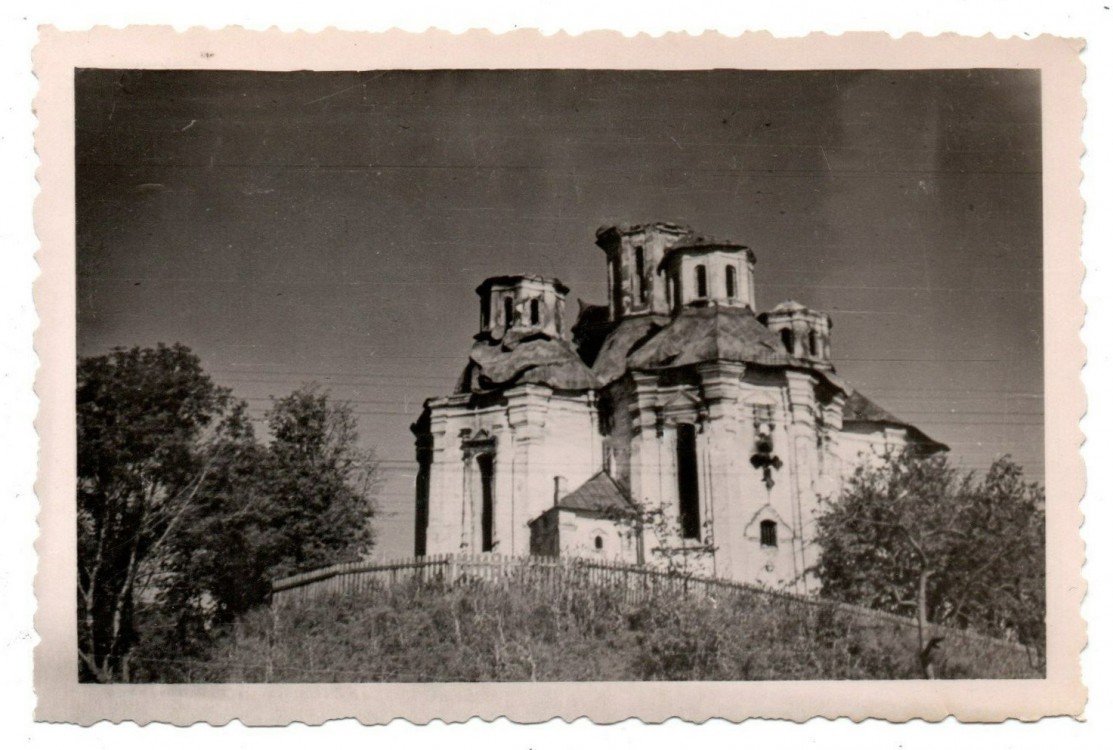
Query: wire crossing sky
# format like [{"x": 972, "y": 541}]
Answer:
[{"x": 332, "y": 227}]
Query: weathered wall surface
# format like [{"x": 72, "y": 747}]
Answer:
[
  {"x": 534, "y": 436},
  {"x": 579, "y": 534}
]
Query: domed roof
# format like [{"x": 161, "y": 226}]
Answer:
[
  {"x": 693, "y": 336},
  {"x": 708, "y": 334},
  {"x": 544, "y": 361},
  {"x": 610, "y": 363}
]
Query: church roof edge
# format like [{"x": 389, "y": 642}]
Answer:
[{"x": 513, "y": 278}]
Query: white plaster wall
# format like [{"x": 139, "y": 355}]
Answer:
[
  {"x": 448, "y": 514},
  {"x": 854, "y": 449},
  {"x": 539, "y": 436},
  {"x": 567, "y": 445},
  {"x": 578, "y": 533},
  {"x": 756, "y": 501}
]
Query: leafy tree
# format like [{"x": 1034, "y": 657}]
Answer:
[
  {"x": 914, "y": 537},
  {"x": 302, "y": 501},
  {"x": 143, "y": 419},
  {"x": 184, "y": 518},
  {"x": 319, "y": 483}
]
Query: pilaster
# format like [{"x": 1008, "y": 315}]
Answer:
[
  {"x": 804, "y": 465},
  {"x": 724, "y": 454}
]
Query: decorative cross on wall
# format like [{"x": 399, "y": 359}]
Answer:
[{"x": 764, "y": 458}]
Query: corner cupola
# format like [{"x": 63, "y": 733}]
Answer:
[
  {"x": 521, "y": 306},
  {"x": 704, "y": 271},
  {"x": 804, "y": 333},
  {"x": 634, "y": 252}
]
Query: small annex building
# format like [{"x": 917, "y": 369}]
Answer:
[{"x": 675, "y": 401}]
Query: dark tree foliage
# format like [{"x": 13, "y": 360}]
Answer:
[
  {"x": 185, "y": 518},
  {"x": 320, "y": 482},
  {"x": 915, "y": 537},
  {"x": 302, "y": 501},
  {"x": 143, "y": 418}
]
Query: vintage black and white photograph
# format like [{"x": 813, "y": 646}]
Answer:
[{"x": 559, "y": 375}]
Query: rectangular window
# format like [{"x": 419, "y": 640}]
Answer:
[
  {"x": 687, "y": 478},
  {"x": 768, "y": 533},
  {"x": 421, "y": 522},
  {"x": 616, "y": 288},
  {"x": 763, "y": 413},
  {"x": 487, "y": 520},
  {"x": 639, "y": 274}
]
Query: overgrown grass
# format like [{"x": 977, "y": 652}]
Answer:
[{"x": 507, "y": 631}]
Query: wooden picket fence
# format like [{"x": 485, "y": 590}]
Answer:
[{"x": 554, "y": 575}]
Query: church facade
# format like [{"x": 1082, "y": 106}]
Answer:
[{"x": 673, "y": 421}]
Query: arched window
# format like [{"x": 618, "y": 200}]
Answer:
[
  {"x": 813, "y": 343},
  {"x": 786, "y": 339},
  {"x": 701, "y": 282},
  {"x": 599, "y": 542},
  {"x": 507, "y": 312},
  {"x": 640, "y": 288},
  {"x": 534, "y": 312},
  {"x": 768, "y": 533},
  {"x": 732, "y": 282},
  {"x": 674, "y": 294}
]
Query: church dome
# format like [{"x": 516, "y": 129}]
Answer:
[
  {"x": 495, "y": 366},
  {"x": 804, "y": 333},
  {"x": 520, "y": 306},
  {"x": 634, "y": 252},
  {"x": 703, "y": 270}
]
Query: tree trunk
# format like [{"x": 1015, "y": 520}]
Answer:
[{"x": 927, "y": 646}]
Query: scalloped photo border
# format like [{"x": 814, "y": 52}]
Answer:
[{"x": 61, "y": 698}]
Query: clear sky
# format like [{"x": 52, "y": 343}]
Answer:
[{"x": 331, "y": 227}]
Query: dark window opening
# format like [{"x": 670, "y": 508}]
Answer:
[
  {"x": 786, "y": 339},
  {"x": 732, "y": 282},
  {"x": 674, "y": 294},
  {"x": 598, "y": 542},
  {"x": 701, "y": 281},
  {"x": 421, "y": 522},
  {"x": 813, "y": 343},
  {"x": 534, "y": 312},
  {"x": 616, "y": 287},
  {"x": 507, "y": 312},
  {"x": 606, "y": 416},
  {"x": 487, "y": 517},
  {"x": 640, "y": 286},
  {"x": 687, "y": 479},
  {"x": 768, "y": 533}
]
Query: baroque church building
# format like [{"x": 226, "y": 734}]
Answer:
[{"x": 674, "y": 419}]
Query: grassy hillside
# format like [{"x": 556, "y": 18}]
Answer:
[{"x": 509, "y": 631}]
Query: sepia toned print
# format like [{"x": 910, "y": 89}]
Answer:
[{"x": 398, "y": 373}]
